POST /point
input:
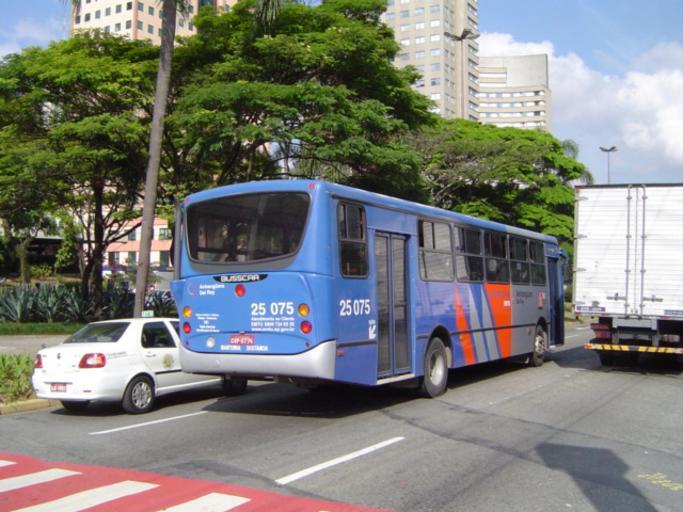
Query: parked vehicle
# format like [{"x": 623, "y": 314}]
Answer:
[
  {"x": 628, "y": 268},
  {"x": 131, "y": 361}
]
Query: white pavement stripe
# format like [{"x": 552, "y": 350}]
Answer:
[
  {"x": 91, "y": 497},
  {"x": 339, "y": 460},
  {"x": 17, "y": 482},
  {"x": 214, "y": 502},
  {"x": 146, "y": 424},
  {"x": 572, "y": 336},
  {"x": 4, "y": 463}
]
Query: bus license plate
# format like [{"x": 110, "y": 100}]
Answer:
[
  {"x": 58, "y": 387},
  {"x": 241, "y": 339}
]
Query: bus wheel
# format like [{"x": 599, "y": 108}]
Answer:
[
  {"x": 537, "y": 357},
  {"x": 435, "y": 378},
  {"x": 606, "y": 358},
  {"x": 234, "y": 386}
]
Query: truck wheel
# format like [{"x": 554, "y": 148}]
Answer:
[
  {"x": 234, "y": 386},
  {"x": 139, "y": 395},
  {"x": 537, "y": 357},
  {"x": 435, "y": 378}
]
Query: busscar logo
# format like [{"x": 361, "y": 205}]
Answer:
[{"x": 241, "y": 278}]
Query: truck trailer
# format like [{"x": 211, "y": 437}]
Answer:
[{"x": 628, "y": 269}]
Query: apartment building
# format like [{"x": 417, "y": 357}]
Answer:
[
  {"x": 514, "y": 91},
  {"x": 124, "y": 253},
  {"x": 137, "y": 19},
  {"x": 438, "y": 37}
]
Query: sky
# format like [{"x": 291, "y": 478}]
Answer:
[{"x": 616, "y": 71}]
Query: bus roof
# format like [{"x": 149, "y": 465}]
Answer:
[{"x": 362, "y": 196}]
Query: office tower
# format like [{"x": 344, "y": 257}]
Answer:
[
  {"x": 138, "y": 19},
  {"x": 514, "y": 91},
  {"x": 438, "y": 37}
]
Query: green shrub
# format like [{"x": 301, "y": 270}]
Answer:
[
  {"x": 41, "y": 271},
  {"x": 15, "y": 377}
]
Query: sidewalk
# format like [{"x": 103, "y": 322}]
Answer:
[{"x": 28, "y": 344}]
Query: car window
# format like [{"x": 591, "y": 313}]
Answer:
[
  {"x": 99, "y": 333},
  {"x": 156, "y": 335}
]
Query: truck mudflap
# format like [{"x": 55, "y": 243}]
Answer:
[{"x": 632, "y": 348}]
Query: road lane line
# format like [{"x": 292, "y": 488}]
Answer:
[
  {"x": 572, "y": 336},
  {"x": 4, "y": 463},
  {"x": 146, "y": 424},
  {"x": 339, "y": 460},
  {"x": 214, "y": 502},
  {"x": 91, "y": 497},
  {"x": 17, "y": 482}
]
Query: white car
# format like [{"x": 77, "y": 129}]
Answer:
[{"x": 131, "y": 361}]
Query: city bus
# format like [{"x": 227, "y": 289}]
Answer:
[{"x": 313, "y": 282}]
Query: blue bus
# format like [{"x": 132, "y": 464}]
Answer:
[{"x": 314, "y": 282}]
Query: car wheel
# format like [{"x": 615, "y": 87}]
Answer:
[
  {"x": 234, "y": 386},
  {"x": 75, "y": 406},
  {"x": 435, "y": 378},
  {"x": 537, "y": 357},
  {"x": 139, "y": 395}
]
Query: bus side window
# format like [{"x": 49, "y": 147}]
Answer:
[
  {"x": 352, "y": 240},
  {"x": 497, "y": 268},
  {"x": 435, "y": 253},
  {"x": 469, "y": 263},
  {"x": 519, "y": 261},
  {"x": 537, "y": 263}
]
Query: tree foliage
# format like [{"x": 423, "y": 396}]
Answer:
[{"x": 514, "y": 176}]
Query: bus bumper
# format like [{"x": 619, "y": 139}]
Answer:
[{"x": 319, "y": 363}]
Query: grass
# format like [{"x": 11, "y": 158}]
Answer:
[
  {"x": 15, "y": 377},
  {"x": 29, "y": 328}
]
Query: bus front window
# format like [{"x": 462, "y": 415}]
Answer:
[{"x": 246, "y": 228}]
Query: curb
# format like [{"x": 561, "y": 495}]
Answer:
[{"x": 27, "y": 405}]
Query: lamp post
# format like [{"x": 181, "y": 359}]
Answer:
[
  {"x": 608, "y": 151},
  {"x": 464, "y": 35}
]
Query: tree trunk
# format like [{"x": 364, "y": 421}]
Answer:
[
  {"x": 22, "y": 254},
  {"x": 155, "y": 139},
  {"x": 98, "y": 247}
]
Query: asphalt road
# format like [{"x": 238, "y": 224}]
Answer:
[{"x": 570, "y": 435}]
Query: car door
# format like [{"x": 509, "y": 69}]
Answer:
[{"x": 160, "y": 354}]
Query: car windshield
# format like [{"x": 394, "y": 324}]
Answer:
[
  {"x": 247, "y": 227},
  {"x": 99, "y": 333}
]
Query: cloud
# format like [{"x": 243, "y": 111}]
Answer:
[
  {"x": 27, "y": 32},
  {"x": 640, "y": 111}
]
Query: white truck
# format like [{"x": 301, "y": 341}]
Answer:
[{"x": 628, "y": 268}]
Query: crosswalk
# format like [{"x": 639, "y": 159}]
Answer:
[{"x": 30, "y": 484}]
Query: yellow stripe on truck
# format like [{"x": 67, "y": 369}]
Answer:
[{"x": 633, "y": 348}]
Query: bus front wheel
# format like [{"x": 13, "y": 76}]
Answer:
[
  {"x": 435, "y": 378},
  {"x": 537, "y": 357}
]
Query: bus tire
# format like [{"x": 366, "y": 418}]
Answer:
[
  {"x": 435, "y": 378},
  {"x": 234, "y": 386},
  {"x": 540, "y": 346}
]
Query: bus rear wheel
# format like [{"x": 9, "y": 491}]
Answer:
[
  {"x": 234, "y": 386},
  {"x": 435, "y": 378}
]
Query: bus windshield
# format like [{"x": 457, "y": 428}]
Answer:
[{"x": 247, "y": 227}]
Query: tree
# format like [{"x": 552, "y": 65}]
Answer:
[
  {"x": 73, "y": 134},
  {"x": 317, "y": 96},
  {"x": 514, "y": 176}
]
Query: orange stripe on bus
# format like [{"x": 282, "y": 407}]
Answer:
[
  {"x": 501, "y": 309},
  {"x": 466, "y": 341}
]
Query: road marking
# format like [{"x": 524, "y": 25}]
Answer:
[
  {"x": 582, "y": 328},
  {"x": 92, "y": 497},
  {"x": 17, "y": 482},
  {"x": 339, "y": 460},
  {"x": 146, "y": 424},
  {"x": 214, "y": 502},
  {"x": 4, "y": 463},
  {"x": 572, "y": 336}
]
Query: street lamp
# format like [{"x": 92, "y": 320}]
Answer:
[
  {"x": 464, "y": 35},
  {"x": 608, "y": 151}
]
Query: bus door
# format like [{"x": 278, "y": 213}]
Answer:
[
  {"x": 556, "y": 300},
  {"x": 391, "y": 259}
]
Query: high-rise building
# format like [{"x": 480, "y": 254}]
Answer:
[
  {"x": 514, "y": 91},
  {"x": 438, "y": 37},
  {"x": 138, "y": 19}
]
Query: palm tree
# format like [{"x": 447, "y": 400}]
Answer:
[{"x": 571, "y": 148}]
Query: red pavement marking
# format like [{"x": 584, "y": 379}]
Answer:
[{"x": 171, "y": 491}]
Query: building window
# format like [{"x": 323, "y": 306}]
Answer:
[
  {"x": 129, "y": 24},
  {"x": 352, "y": 240},
  {"x": 86, "y": 17},
  {"x": 435, "y": 52},
  {"x": 77, "y": 20},
  {"x": 118, "y": 8},
  {"x": 97, "y": 15},
  {"x": 405, "y": 42},
  {"x": 419, "y": 11},
  {"x": 141, "y": 7},
  {"x": 435, "y": 81},
  {"x": 434, "y": 8},
  {"x": 140, "y": 25},
  {"x": 435, "y": 23},
  {"x": 390, "y": 16},
  {"x": 419, "y": 55},
  {"x": 419, "y": 26},
  {"x": 435, "y": 37},
  {"x": 150, "y": 29},
  {"x": 129, "y": 6},
  {"x": 117, "y": 27},
  {"x": 165, "y": 234},
  {"x": 419, "y": 40},
  {"x": 150, "y": 10},
  {"x": 107, "y": 11},
  {"x": 106, "y": 29},
  {"x": 131, "y": 236},
  {"x": 405, "y": 28},
  {"x": 436, "y": 255},
  {"x": 404, "y": 14}
]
